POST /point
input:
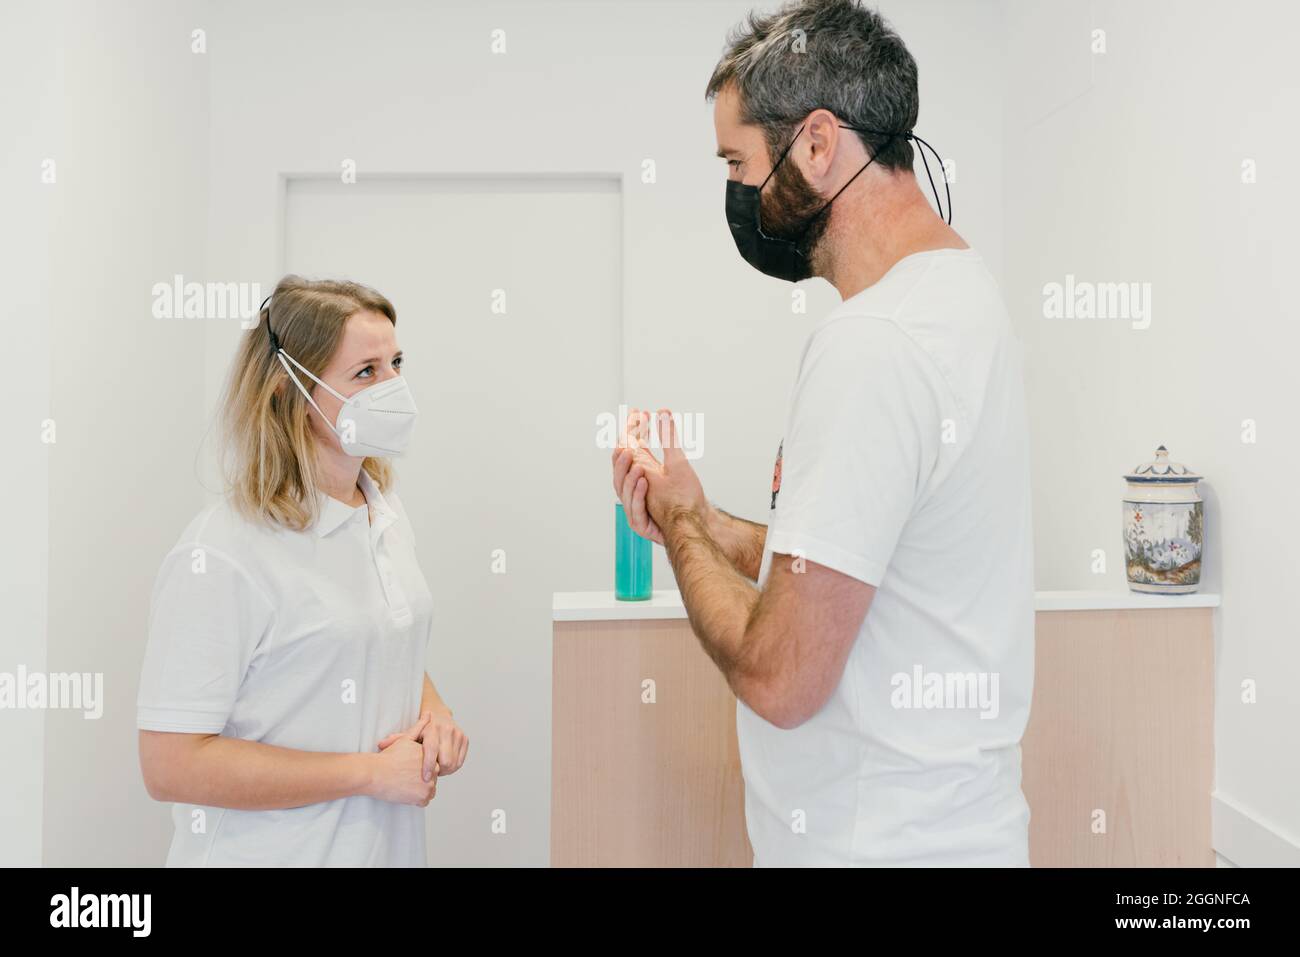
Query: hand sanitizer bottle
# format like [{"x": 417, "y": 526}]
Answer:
[{"x": 632, "y": 560}]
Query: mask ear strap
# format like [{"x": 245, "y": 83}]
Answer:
[
  {"x": 852, "y": 178},
  {"x": 947, "y": 192},
  {"x": 282, "y": 356},
  {"x": 909, "y": 135},
  {"x": 779, "y": 158}
]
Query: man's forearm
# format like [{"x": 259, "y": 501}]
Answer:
[
  {"x": 739, "y": 540},
  {"x": 718, "y": 597}
]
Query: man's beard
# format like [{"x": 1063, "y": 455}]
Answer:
[{"x": 789, "y": 211}]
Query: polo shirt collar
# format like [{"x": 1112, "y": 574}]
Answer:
[
  {"x": 333, "y": 513},
  {"x": 383, "y": 514}
]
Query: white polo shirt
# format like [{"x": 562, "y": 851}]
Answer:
[
  {"x": 905, "y": 465},
  {"x": 310, "y": 640}
]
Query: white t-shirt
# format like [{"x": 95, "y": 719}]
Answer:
[
  {"x": 905, "y": 464},
  {"x": 310, "y": 640}
]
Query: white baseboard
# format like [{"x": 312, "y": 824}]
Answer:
[{"x": 1246, "y": 840}]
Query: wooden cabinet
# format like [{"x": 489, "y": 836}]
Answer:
[{"x": 1117, "y": 759}]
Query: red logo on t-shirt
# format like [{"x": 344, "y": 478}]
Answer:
[{"x": 776, "y": 473}]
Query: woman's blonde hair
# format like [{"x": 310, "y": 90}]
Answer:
[{"x": 268, "y": 450}]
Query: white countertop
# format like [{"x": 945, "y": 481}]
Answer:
[{"x": 603, "y": 606}]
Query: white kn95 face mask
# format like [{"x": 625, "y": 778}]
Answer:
[{"x": 377, "y": 421}]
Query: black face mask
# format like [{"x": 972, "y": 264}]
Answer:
[{"x": 788, "y": 258}]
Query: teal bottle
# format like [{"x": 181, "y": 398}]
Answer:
[{"x": 632, "y": 560}]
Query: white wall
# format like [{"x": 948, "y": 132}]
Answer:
[
  {"x": 173, "y": 163},
  {"x": 125, "y": 391},
  {"x": 1127, "y": 167},
  {"x": 1123, "y": 166},
  {"x": 583, "y": 88},
  {"x": 35, "y": 122}
]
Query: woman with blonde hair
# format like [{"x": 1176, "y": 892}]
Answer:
[{"x": 284, "y": 706}]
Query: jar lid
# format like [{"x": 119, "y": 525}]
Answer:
[{"x": 1160, "y": 469}]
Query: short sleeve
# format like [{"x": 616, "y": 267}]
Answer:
[
  {"x": 206, "y": 620},
  {"x": 862, "y": 441}
]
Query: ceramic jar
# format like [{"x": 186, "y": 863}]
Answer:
[{"x": 1164, "y": 527}]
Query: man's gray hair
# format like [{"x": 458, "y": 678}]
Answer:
[{"x": 829, "y": 54}]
